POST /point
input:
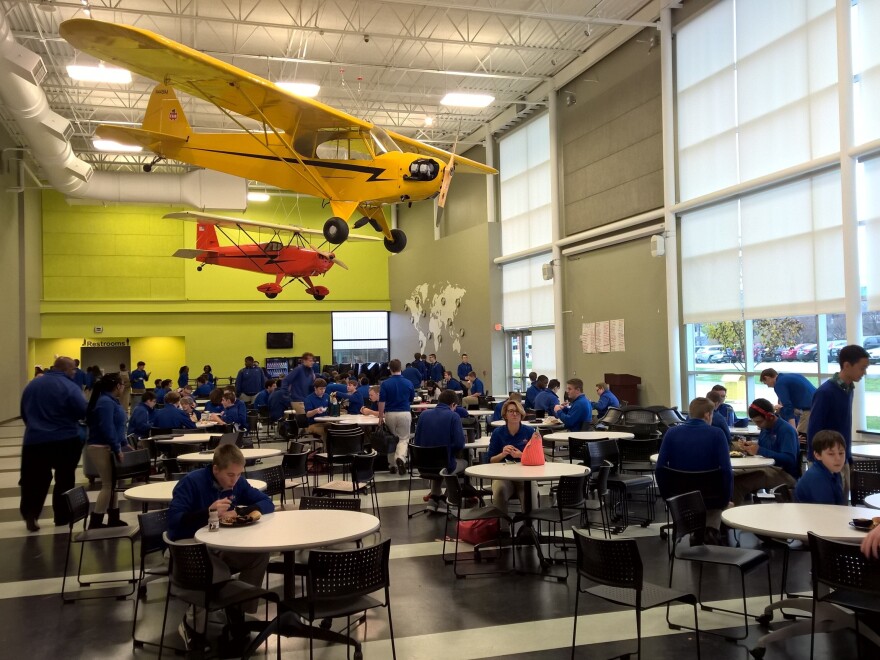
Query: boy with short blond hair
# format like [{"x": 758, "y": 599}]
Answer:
[{"x": 822, "y": 483}]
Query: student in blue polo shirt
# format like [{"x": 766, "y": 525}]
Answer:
[
  {"x": 578, "y": 412},
  {"x": 606, "y": 399},
  {"x": 547, "y": 399},
  {"x": 203, "y": 387},
  {"x": 464, "y": 368},
  {"x": 143, "y": 416},
  {"x": 262, "y": 399},
  {"x": 537, "y": 386},
  {"x": 170, "y": 416},
  {"x": 138, "y": 378},
  {"x": 395, "y": 399},
  {"x": 315, "y": 405},
  {"x": 234, "y": 411},
  {"x": 822, "y": 483}
]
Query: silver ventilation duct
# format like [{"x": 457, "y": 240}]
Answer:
[{"x": 48, "y": 134}]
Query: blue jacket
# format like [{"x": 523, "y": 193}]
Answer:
[
  {"x": 203, "y": 390},
  {"x": 422, "y": 367},
  {"x": 262, "y": 399},
  {"x": 531, "y": 395},
  {"x": 606, "y": 399},
  {"x": 397, "y": 394},
  {"x": 51, "y": 407},
  {"x": 364, "y": 392},
  {"x": 183, "y": 379},
  {"x": 501, "y": 437},
  {"x": 211, "y": 408},
  {"x": 832, "y": 410},
  {"x": 197, "y": 491},
  {"x": 299, "y": 382},
  {"x": 413, "y": 375},
  {"x": 781, "y": 444},
  {"x": 546, "y": 400},
  {"x": 719, "y": 422},
  {"x": 696, "y": 446},
  {"x": 435, "y": 372},
  {"x": 172, "y": 417},
  {"x": 107, "y": 423},
  {"x": 454, "y": 385},
  {"x": 160, "y": 393},
  {"x": 576, "y": 414},
  {"x": 249, "y": 381},
  {"x": 441, "y": 427},
  {"x": 464, "y": 369},
  {"x": 279, "y": 401},
  {"x": 496, "y": 414},
  {"x": 81, "y": 378},
  {"x": 355, "y": 402},
  {"x": 141, "y": 420},
  {"x": 137, "y": 378},
  {"x": 794, "y": 391},
  {"x": 477, "y": 388},
  {"x": 820, "y": 486},
  {"x": 236, "y": 414}
]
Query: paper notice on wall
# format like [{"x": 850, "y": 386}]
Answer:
[
  {"x": 603, "y": 337},
  {"x": 588, "y": 337},
  {"x": 618, "y": 342}
]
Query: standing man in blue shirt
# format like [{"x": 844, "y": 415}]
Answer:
[
  {"x": 795, "y": 394},
  {"x": 395, "y": 398},
  {"x": 138, "y": 378},
  {"x": 579, "y": 411},
  {"x": 606, "y": 399},
  {"x": 299, "y": 382},
  {"x": 435, "y": 369},
  {"x": 465, "y": 367},
  {"x": 249, "y": 381},
  {"x": 832, "y": 403},
  {"x": 441, "y": 427},
  {"x": 421, "y": 365},
  {"x": 51, "y": 407},
  {"x": 413, "y": 375}
]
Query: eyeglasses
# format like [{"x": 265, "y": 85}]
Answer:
[{"x": 512, "y": 411}]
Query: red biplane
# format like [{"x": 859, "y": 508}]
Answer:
[{"x": 293, "y": 259}]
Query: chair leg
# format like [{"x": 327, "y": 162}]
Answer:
[
  {"x": 696, "y": 630},
  {"x": 165, "y": 617},
  {"x": 66, "y": 563},
  {"x": 639, "y": 632},
  {"x": 574, "y": 628},
  {"x": 390, "y": 625}
]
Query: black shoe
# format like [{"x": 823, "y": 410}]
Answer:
[
  {"x": 392, "y": 469},
  {"x": 192, "y": 640},
  {"x": 31, "y": 524},
  {"x": 401, "y": 466},
  {"x": 113, "y": 519},
  {"x": 96, "y": 521}
]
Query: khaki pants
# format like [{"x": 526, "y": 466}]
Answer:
[
  {"x": 803, "y": 421},
  {"x": 102, "y": 459},
  {"x": 748, "y": 481},
  {"x": 469, "y": 401},
  {"x": 399, "y": 424},
  {"x": 503, "y": 490},
  {"x": 251, "y": 567},
  {"x": 298, "y": 407}
]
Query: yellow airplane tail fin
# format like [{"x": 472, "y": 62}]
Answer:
[{"x": 165, "y": 114}]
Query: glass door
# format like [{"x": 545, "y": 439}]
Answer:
[{"x": 519, "y": 355}]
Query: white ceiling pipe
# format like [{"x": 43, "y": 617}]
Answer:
[{"x": 48, "y": 135}]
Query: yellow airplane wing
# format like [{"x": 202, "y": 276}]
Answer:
[
  {"x": 163, "y": 60},
  {"x": 462, "y": 164},
  {"x": 236, "y": 223}
]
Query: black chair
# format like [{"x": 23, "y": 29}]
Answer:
[
  {"x": 621, "y": 486},
  {"x": 363, "y": 481},
  {"x": 643, "y": 423},
  {"x": 78, "y": 509},
  {"x": 689, "y": 519},
  {"x": 846, "y": 578},
  {"x": 343, "y": 442},
  {"x": 310, "y": 503},
  {"x": 152, "y": 525},
  {"x": 192, "y": 581},
  {"x": 340, "y": 583},
  {"x": 429, "y": 462},
  {"x": 612, "y": 415},
  {"x": 635, "y": 455},
  {"x": 454, "y": 501},
  {"x": 274, "y": 478},
  {"x": 135, "y": 466},
  {"x": 863, "y": 484},
  {"x": 253, "y": 422},
  {"x": 295, "y": 447},
  {"x": 616, "y": 566},
  {"x": 296, "y": 472},
  {"x": 673, "y": 482},
  {"x": 598, "y": 486},
  {"x": 570, "y": 503},
  {"x": 866, "y": 464}
]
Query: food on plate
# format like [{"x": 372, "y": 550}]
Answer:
[{"x": 737, "y": 454}]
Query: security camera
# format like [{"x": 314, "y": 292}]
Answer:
[{"x": 366, "y": 38}]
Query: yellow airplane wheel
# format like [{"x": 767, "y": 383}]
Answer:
[
  {"x": 398, "y": 241},
  {"x": 335, "y": 230}
]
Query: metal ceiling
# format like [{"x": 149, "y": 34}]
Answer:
[{"x": 388, "y": 61}]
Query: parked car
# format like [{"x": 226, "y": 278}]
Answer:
[
  {"x": 808, "y": 353},
  {"x": 871, "y": 341},
  {"x": 874, "y": 355},
  {"x": 766, "y": 354},
  {"x": 704, "y": 353},
  {"x": 789, "y": 354},
  {"x": 834, "y": 347}
]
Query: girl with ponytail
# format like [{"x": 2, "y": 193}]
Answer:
[{"x": 106, "y": 420}]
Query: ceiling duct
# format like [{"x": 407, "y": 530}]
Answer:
[{"x": 48, "y": 136}]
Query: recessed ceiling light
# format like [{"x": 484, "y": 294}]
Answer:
[
  {"x": 100, "y": 73},
  {"x": 429, "y": 121},
  {"x": 309, "y": 90},
  {"x": 258, "y": 197},
  {"x": 467, "y": 100},
  {"x": 111, "y": 145}
]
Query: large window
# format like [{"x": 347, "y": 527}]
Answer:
[{"x": 360, "y": 337}]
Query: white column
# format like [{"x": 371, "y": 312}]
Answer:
[
  {"x": 673, "y": 316},
  {"x": 852, "y": 288},
  {"x": 556, "y": 227}
]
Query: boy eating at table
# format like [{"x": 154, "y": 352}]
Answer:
[{"x": 822, "y": 483}]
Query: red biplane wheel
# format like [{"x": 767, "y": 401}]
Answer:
[
  {"x": 318, "y": 292},
  {"x": 335, "y": 230},
  {"x": 271, "y": 295},
  {"x": 270, "y": 289},
  {"x": 398, "y": 243}
]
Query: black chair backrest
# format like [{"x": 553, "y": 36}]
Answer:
[
  {"x": 294, "y": 447},
  {"x": 472, "y": 427},
  {"x": 570, "y": 491},
  {"x": 635, "y": 450},
  {"x": 152, "y": 525},
  {"x": 600, "y": 478},
  {"x": 428, "y": 460},
  {"x": 273, "y": 476},
  {"x": 77, "y": 504},
  {"x": 612, "y": 562},
  {"x": 577, "y": 451},
  {"x": 708, "y": 482},
  {"x": 362, "y": 467},
  {"x": 688, "y": 515},
  {"x": 191, "y": 566},
  {"x": 295, "y": 465},
  {"x": 612, "y": 415},
  {"x": 342, "y": 443},
  {"x": 601, "y": 451},
  {"x": 669, "y": 417},
  {"x": 344, "y": 503},
  {"x": 866, "y": 464},
  {"x": 349, "y": 574},
  {"x": 863, "y": 484},
  {"x": 843, "y": 566},
  {"x": 134, "y": 464}
]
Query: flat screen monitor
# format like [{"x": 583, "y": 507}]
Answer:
[{"x": 279, "y": 340}]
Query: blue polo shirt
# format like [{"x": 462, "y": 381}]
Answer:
[
  {"x": 531, "y": 394},
  {"x": 236, "y": 414},
  {"x": 249, "y": 381},
  {"x": 299, "y": 382},
  {"x": 477, "y": 388},
  {"x": 464, "y": 369},
  {"x": 172, "y": 417},
  {"x": 696, "y": 446},
  {"x": 262, "y": 399},
  {"x": 397, "y": 393},
  {"x": 794, "y": 391},
  {"x": 819, "y": 485},
  {"x": 413, "y": 375},
  {"x": 141, "y": 420},
  {"x": 51, "y": 406},
  {"x": 546, "y": 401},
  {"x": 606, "y": 399},
  {"x": 278, "y": 402},
  {"x": 781, "y": 444},
  {"x": 441, "y": 427},
  {"x": 107, "y": 423},
  {"x": 502, "y": 437},
  {"x": 576, "y": 414},
  {"x": 314, "y": 401},
  {"x": 435, "y": 372},
  {"x": 203, "y": 390},
  {"x": 454, "y": 385},
  {"x": 138, "y": 378}
]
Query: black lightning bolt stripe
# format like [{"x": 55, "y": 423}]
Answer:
[{"x": 374, "y": 172}]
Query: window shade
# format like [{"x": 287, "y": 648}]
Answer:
[
  {"x": 866, "y": 68},
  {"x": 869, "y": 235},
  {"x": 528, "y": 299}
]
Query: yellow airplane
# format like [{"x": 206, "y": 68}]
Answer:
[{"x": 302, "y": 145}]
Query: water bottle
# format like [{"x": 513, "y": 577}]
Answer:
[
  {"x": 213, "y": 520},
  {"x": 206, "y": 416}
]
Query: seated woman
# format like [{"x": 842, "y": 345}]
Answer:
[
  {"x": 507, "y": 444},
  {"x": 778, "y": 440}
]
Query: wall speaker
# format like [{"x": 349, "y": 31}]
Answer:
[
  {"x": 547, "y": 271},
  {"x": 658, "y": 246}
]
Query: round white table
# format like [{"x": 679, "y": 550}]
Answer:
[
  {"x": 360, "y": 420},
  {"x": 480, "y": 413},
  {"x": 528, "y": 474},
  {"x": 418, "y": 407},
  {"x": 161, "y": 491},
  {"x": 866, "y": 451},
  {"x": 249, "y": 454},
  {"x": 533, "y": 423},
  {"x": 748, "y": 430},
  {"x": 589, "y": 435},
  {"x": 744, "y": 463},
  {"x": 186, "y": 439},
  {"x": 873, "y": 501}
]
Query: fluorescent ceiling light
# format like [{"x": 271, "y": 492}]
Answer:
[
  {"x": 258, "y": 197},
  {"x": 300, "y": 88},
  {"x": 111, "y": 145},
  {"x": 101, "y": 73},
  {"x": 467, "y": 100}
]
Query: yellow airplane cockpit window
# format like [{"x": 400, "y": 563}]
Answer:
[
  {"x": 382, "y": 142},
  {"x": 344, "y": 148}
]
